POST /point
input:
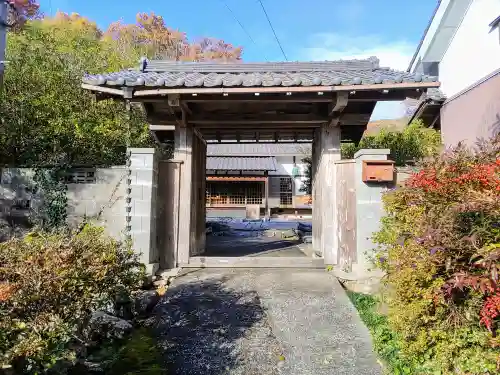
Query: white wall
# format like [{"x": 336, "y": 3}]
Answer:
[
  {"x": 287, "y": 166},
  {"x": 474, "y": 52}
]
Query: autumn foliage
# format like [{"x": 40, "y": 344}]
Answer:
[
  {"x": 50, "y": 284},
  {"x": 47, "y": 119},
  {"x": 440, "y": 248}
]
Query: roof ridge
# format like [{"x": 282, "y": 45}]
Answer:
[{"x": 222, "y": 67}]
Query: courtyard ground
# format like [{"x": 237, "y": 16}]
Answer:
[
  {"x": 237, "y": 238},
  {"x": 261, "y": 322}
]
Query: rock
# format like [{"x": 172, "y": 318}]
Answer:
[
  {"x": 105, "y": 326},
  {"x": 145, "y": 302},
  {"x": 307, "y": 239}
]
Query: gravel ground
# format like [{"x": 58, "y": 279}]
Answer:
[{"x": 261, "y": 322}]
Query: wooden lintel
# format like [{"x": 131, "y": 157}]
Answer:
[
  {"x": 262, "y": 119},
  {"x": 281, "y": 97},
  {"x": 271, "y": 98},
  {"x": 264, "y": 127},
  {"x": 281, "y": 89}
]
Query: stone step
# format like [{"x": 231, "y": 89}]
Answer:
[{"x": 254, "y": 262}]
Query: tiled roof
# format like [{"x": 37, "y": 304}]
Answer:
[
  {"x": 258, "y": 149},
  {"x": 241, "y": 163},
  {"x": 185, "y": 75}
]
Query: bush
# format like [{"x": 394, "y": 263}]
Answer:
[
  {"x": 440, "y": 248},
  {"x": 411, "y": 144},
  {"x": 50, "y": 284}
]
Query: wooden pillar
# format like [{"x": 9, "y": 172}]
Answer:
[
  {"x": 316, "y": 206},
  {"x": 326, "y": 148},
  {"x": 202, "y": 211},
  {"x": 266, "y": 195},
  {"x": 183, "y": 152}
]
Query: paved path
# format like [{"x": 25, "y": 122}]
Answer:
[{"x": 262, "y": 322}]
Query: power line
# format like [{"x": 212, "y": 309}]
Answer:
[
  {"x": 274, "y": 32},
  {"x": 241, "y": 24}
]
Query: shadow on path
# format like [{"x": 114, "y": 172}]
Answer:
[{"x": 207, "y": 327}]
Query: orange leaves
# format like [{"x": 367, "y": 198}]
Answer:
[
  {"x": 6, "y": 290},
  {"x": 150, "y": 36}
]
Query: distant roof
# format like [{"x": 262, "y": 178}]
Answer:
[
  {"x": 271, "y": 74},
  {"x": 242, "y": 163},
  {"x": 258, "y": 149}
]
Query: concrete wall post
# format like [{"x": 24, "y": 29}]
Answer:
[
  {"x": 142, "y": 205},
  {"x": 369, "y": 211}
]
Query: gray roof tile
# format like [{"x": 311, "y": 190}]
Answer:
[
  {"x": 241, "y": 163},
  {"x": 258, "y": 149},
  {"x": 328, "y": 73}
]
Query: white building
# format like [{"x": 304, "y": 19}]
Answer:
[{"x": 461, "y": 46}]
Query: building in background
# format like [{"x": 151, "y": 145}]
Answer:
[
  {"x": 256, "y": 179},
  {"x": 461, "y": 46}
]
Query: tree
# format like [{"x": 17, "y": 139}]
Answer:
[
  {"x": 21, "y": 11},
  {"x": 45, "y": 116},
  {"x": 413, "y": 143},
  {"x": 150, "y": 37}
]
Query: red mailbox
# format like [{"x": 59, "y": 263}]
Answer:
[{"x": 378, "y": 171}]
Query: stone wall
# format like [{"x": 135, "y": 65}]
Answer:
[{"x": 97, "y": 194}]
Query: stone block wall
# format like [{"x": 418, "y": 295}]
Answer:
[
  {"x": 96, "y": 194},
  {"x": 122, "y": 199},
  {"x": 142, "y": 208}
]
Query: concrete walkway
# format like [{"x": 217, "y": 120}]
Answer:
[{"x": 262, "y": 322}]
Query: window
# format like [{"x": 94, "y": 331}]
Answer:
[
  {"x": 81, "y": 176},
  {"x": 286, "y": 191}
]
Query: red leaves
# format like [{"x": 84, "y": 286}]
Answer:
[
  {"x": 490, "y": 310},
  {"x": 485, "y": 176},
  {"x": 462, "y": 280}
]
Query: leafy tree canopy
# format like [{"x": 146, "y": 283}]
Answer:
[{"x": 47, "y": 119}]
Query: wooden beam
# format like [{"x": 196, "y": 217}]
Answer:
[
  {"x": 257, "y": 119},
  {"x": 271, "y": 98},
  {"x": 105, "y": 89},
  {"x": 162, "y": 127},
  {"x": 337, "y": 107},
  {"x": 261, "y": 127},
  {"x": 312, "y": 97},
  {"x": 339, "y": 103},
  {"x": 281, "y": 89}
]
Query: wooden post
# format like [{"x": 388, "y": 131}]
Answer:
[
  {"x": 326, "y": 152},
  {"x": 266, "y": 194},
  {"x": 183, "y": 152}
]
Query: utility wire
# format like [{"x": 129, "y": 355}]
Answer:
[
  {"x": 272, "y": 28},
  {"x": 241, "y": 25}
]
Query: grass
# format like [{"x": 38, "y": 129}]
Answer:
[{"x": 385, "y": 341}]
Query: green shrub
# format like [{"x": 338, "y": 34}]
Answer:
[
  {"x": 50, "y": 283},
  {"x": 440, "y": 248},
  {"x": 411, "y": 144}
]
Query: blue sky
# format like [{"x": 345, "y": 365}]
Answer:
[{"x": 307, "y": 29}]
